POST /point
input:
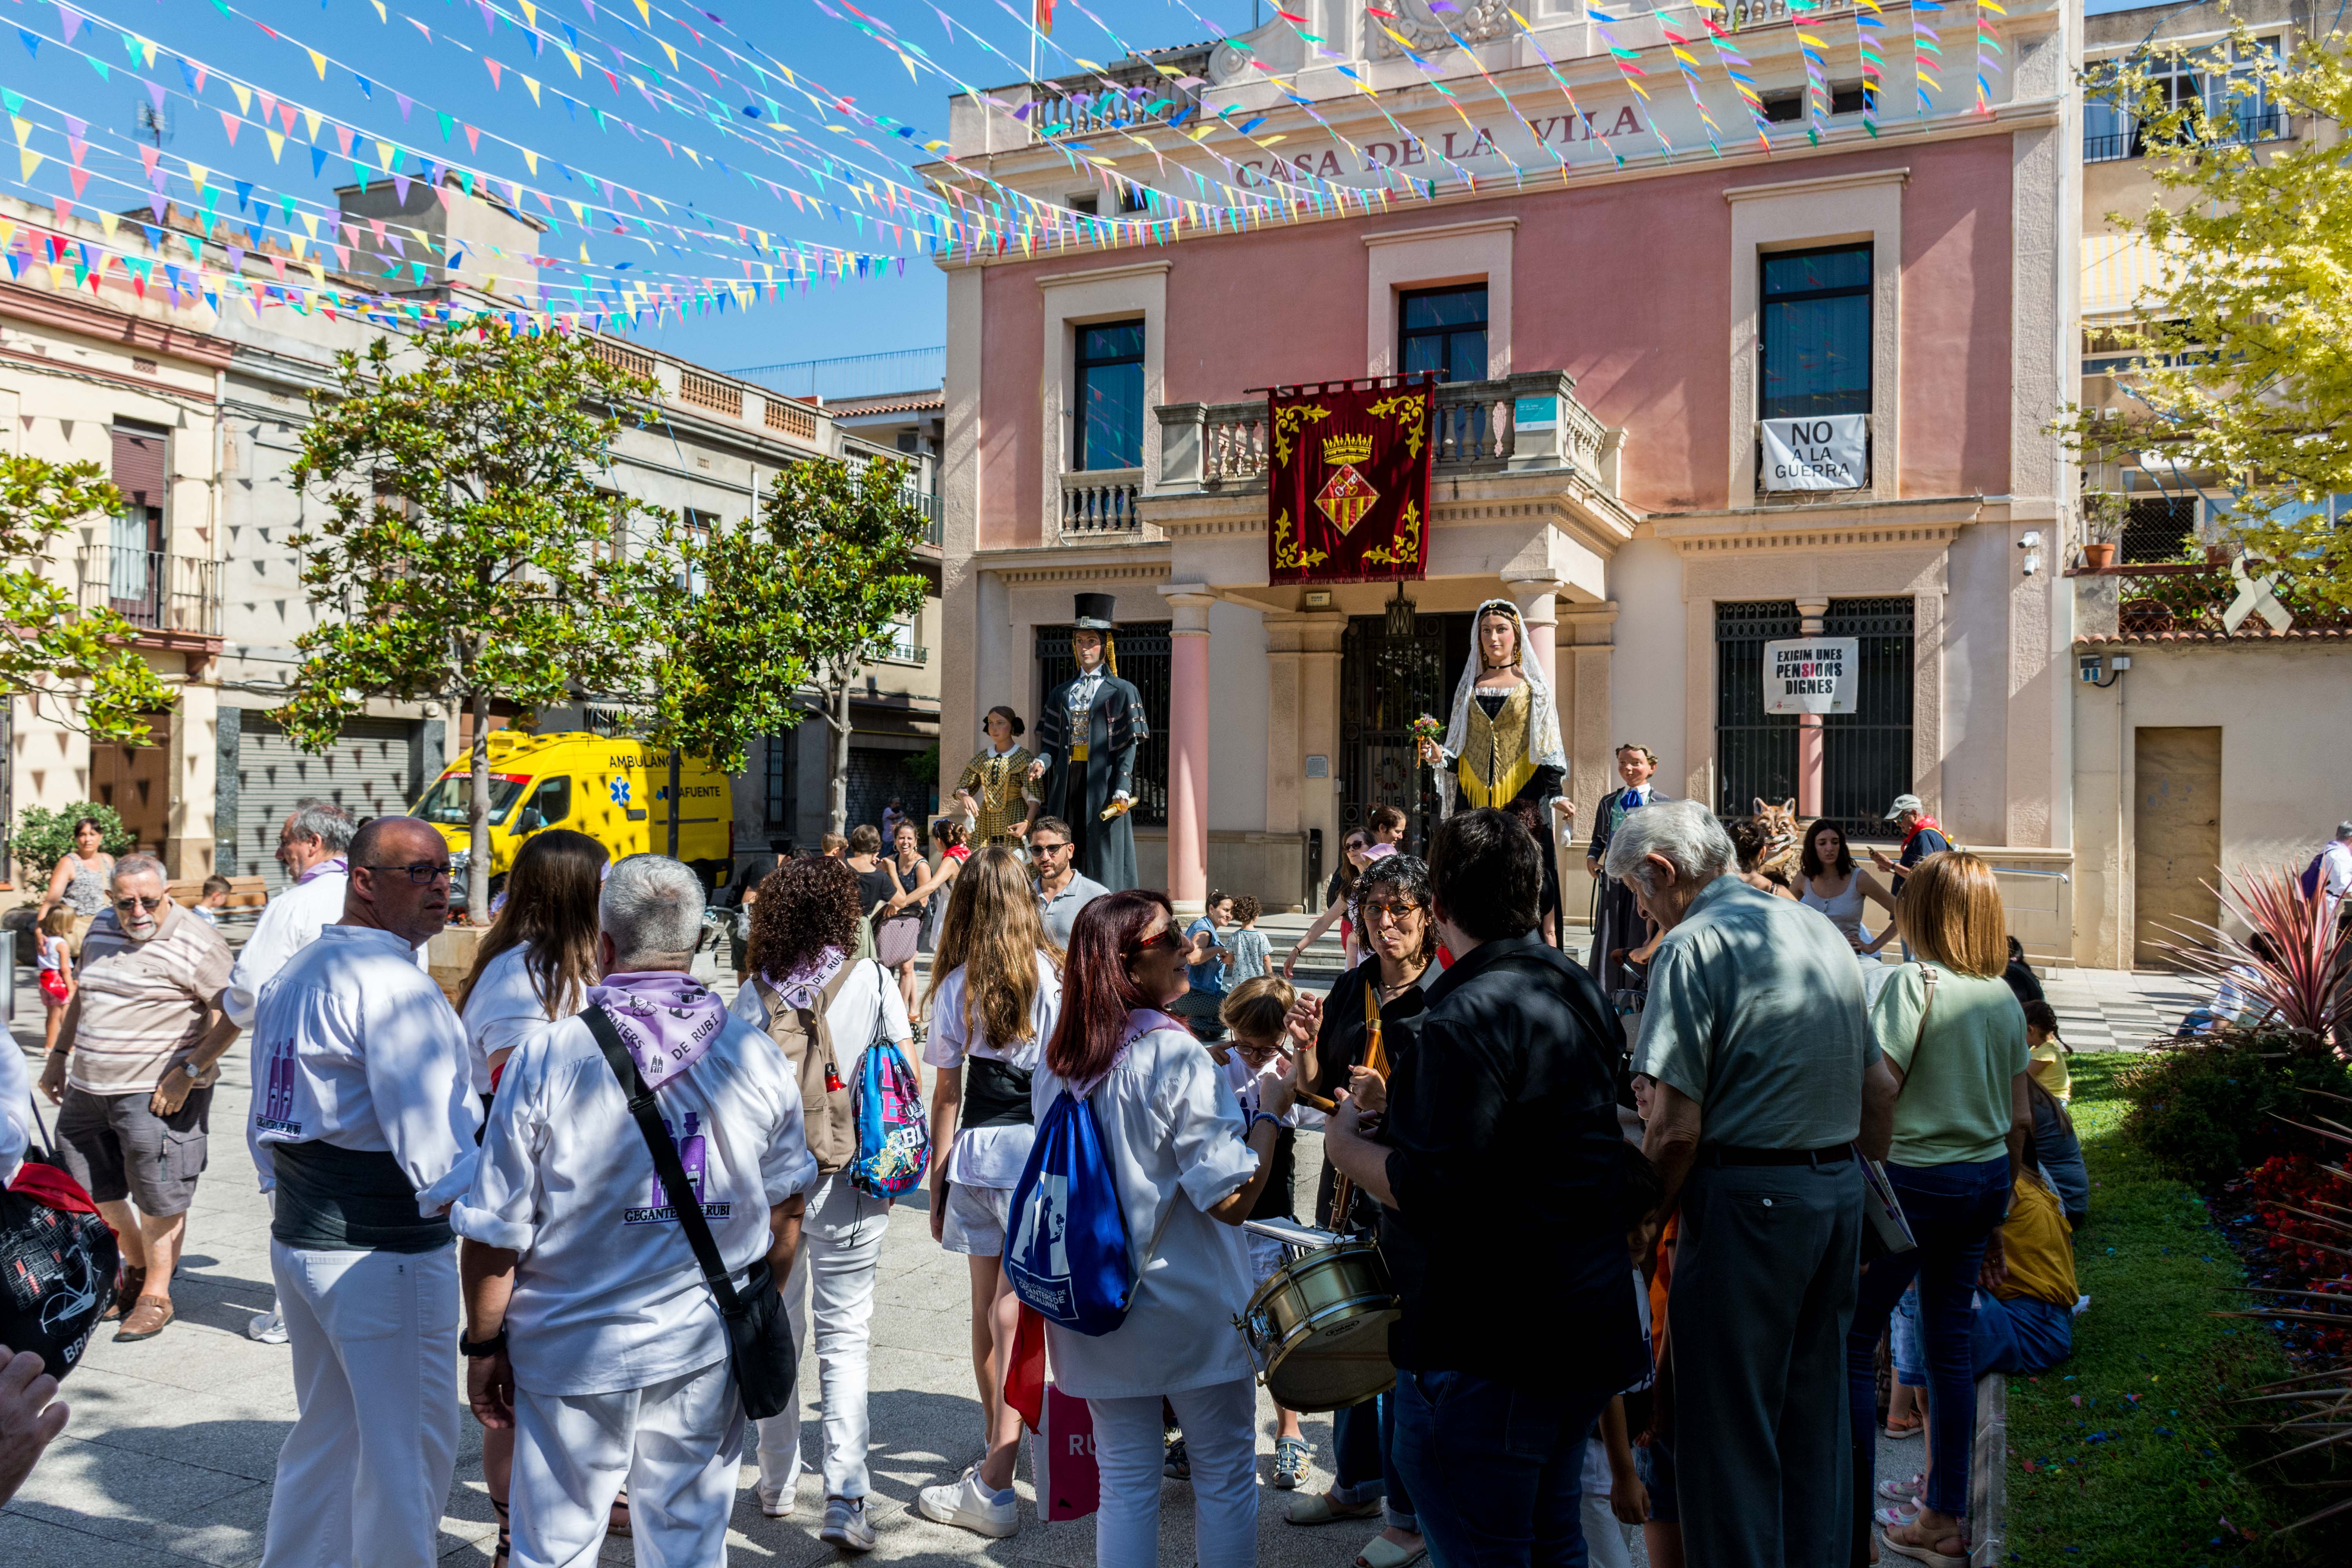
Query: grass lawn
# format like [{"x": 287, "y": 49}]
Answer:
[{"x": 2120, "y": 1456}]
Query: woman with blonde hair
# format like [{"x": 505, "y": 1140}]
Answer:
[
  {"x": 997, "y": 991},
  {"x": 1953, "y": 1033}
]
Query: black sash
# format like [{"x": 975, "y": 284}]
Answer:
[{"x": 996, "y": 1093}]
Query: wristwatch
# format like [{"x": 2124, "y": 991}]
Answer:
[{"x": 473, "y": 1348}]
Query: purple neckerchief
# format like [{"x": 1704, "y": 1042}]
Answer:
[
  {"x": 339, "y": 865},
  {"x": 802, "y": 987},
  {"x": 665, "y": 1018}
]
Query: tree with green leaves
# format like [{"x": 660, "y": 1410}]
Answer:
[
  {"x": 81, "y": 659},
  {"x": 2243, "y": 363},
  {"x": 845, "y": 534},
  {"x": 466, "y": 553}
]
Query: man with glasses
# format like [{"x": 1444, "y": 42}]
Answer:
[
  {"x": 364, "y": 1115},
  {"x": 134, "y": 1070},
  {"x": 1062, "y": 892}
]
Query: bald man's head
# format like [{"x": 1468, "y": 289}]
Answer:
[{"x": 399, "y": 879}]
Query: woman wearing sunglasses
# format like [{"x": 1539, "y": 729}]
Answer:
[{"x": 1189, "y": 1163}]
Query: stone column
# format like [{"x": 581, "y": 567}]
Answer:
[
  {"x": 1536, "y": 597},
  {"x": 1808, "y": 725},
  {"x": 1188, "y": 748}
]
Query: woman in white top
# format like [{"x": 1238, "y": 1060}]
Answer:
[
  {"x": 534, "y": 965},
  {"x": 1188, "y": 1165},
  {"x": 996, "y": 990},
  {"x": 1829, "y": 881}
]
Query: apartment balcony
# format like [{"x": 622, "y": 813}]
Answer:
[
  {"x": 1514, "y": 424},
  {"x": 2161, "y": 601},
  {"x": 172, "y": 601}
]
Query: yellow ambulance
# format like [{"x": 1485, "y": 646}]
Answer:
[{"x": 616, "y": 790}]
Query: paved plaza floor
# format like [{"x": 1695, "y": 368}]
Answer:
[{"x": 173, "y": 1441}]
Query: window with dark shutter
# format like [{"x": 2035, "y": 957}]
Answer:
[{"x": 139, "y": 469}]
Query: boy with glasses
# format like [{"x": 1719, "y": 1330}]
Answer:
[
  {"x": 1062, "y": 892},
  {"x": 134, "y": 1070}
]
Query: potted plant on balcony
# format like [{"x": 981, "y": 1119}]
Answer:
[{"x": 2102, "y": 526}]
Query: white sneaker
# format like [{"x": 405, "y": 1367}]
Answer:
[
  {"x": 846, "y": 1525},
  {"x": 774, "y": 1505},
  {"x": 268, "y": 1327},
  {"x": 968, "y": 1504}
]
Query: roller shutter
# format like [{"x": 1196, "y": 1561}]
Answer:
[{"x": 370, "y": 772}]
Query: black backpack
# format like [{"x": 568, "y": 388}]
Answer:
[{"x": 57, "y": 1262}]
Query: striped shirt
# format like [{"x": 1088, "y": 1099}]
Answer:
[{"x": 142, "y": 1003}]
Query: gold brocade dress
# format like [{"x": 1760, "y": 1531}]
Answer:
[
  {"x": 998, "y": 783},
  {"x": 1495, "y": 766}
]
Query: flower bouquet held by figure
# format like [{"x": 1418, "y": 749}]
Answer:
[{"x": 1428, "y": 736}]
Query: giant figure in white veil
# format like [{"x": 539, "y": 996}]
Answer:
[{"x": 1502, "y": 744}]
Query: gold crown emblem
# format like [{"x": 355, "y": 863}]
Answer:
[{"x": 1347, "y": 449}]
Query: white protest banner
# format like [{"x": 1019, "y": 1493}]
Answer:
[
  {"x": 1823, "y": 453},
  {"x": 1811, "y": 675}
]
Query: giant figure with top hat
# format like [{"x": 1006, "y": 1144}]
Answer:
[{"x": 1086, "y": 739}]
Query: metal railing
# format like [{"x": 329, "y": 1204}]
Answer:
[
  {"x": 1749, "y": 14},
  {"x": 1099, "y": 502},
  {"x": 154, "y": 590},
  {"x": 2231, "y": 130},
  {"x": 934, "y": 526},
  {"x": 1528, "y": 420}
]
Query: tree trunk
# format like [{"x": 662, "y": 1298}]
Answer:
[
  {"x": 477, "y": 816},
  {"x": 675, "y": 783},
  {"x": 837, "y": 772}
]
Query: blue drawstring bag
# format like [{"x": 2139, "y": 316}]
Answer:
[
  {"x": 894, "y": 1134},
  {"x": 1065, "y": 1254}
]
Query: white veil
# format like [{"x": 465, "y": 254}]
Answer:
[{"x": 1544, "y": 748}]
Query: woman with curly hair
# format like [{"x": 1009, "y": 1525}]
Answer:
[
  {"x": 822, "y": 1010},
  {"x": 996, "y": 990}
]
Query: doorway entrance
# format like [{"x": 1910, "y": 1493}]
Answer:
[
  {"x": 2176, "y": 839},
  {"x": 1385, "y": 683}
]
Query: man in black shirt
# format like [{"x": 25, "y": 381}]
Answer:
[{"x": 1500, "y": 1169}]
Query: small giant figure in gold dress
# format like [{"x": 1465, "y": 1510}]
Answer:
[{"x": 993, "y": 789}]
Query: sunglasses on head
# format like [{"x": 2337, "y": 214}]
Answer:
[{"x": 135, "y": 902}]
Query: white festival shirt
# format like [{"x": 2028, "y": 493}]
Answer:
[
  {"x": 1174, "y": 1137},
  {"x": 503, "y": 1010},
  {"x": 354, "y": 1046},
  {"x": 291, "y": 923},
  {"x": 16, "y": 1090},
  {"x": 991, "y": 1156},
  {"x": 607, "y": 1295},
  {"x": 2335, "y": 872}
]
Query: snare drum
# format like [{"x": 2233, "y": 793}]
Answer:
[{"x": 1318, "y": 1328}]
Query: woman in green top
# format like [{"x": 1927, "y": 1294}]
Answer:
[{"x": 1952, "y": 1030}]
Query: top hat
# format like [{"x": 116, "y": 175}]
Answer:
[{"x": 1095, "y": 612}]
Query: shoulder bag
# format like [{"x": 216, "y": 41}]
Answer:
[
  {"x": 1888, "y": 1227},
  {"x": 759, "y": 1347}
]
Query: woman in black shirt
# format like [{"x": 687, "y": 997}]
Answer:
[{"x": 1400, "y": 939}]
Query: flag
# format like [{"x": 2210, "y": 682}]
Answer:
[{"x": 1044, "y": 9}]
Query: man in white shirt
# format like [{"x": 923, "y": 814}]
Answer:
[
  {"x": 2336, "y": 867},
  {"x": 313, "y": 844},
  {"x": 364, "y": 1115},
  {"x": 618, "y": 1369}
]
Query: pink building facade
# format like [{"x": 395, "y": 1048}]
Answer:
[{"x": 1614, "y": 325}]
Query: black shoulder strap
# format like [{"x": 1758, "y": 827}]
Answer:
[{"x": 666, "y": 1160}]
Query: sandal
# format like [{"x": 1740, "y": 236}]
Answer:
[
  {"x": 1925, "y": 1551},
  {"x": 1910, "y": 1428},
  {"x": 617, "y": 1522},
  {"x": 506, "y": 1537},
  {"x": 1383, "y": 1552},
  {"x": 1320, "y": 1509}
]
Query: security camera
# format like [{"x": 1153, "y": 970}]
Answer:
[{"x": 2029, "y": 539}]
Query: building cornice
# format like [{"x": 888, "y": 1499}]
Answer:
[
  {"x": 63, "y": 313},
  {"x": 1103, "y": 274},
  {"x": 1462, "y": 231},
  {"x": 1822, "y": 184}
]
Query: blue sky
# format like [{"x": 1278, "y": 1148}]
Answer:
[{"x": 435, "y": 53}]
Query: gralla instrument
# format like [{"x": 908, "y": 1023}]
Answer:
[{"x": 1318, "y": 1328}]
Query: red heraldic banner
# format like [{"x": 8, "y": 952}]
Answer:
[{"x": 1346, "y": 491}]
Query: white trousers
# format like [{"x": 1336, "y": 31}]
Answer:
[
  {"x": 841, "y": 1241},
  {"x": 678, "y": 1444},
  {"x": 1606, "y": 1543},
  {"x": 1220, "y": 1424},
  {"x": 365, "y": 1472}
]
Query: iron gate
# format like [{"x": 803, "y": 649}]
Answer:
[
  {"x": 1142, "y": 650},
  {"x": 1865, "y": 754},
  {"x": 1385, "y": 684}
]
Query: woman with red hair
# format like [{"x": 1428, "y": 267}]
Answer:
[{"x": 1189, "y": 1162}]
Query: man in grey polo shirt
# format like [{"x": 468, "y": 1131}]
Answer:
[
  {"x": 1062, "y": 889},
  {"x": 1765, "y": 1075}
]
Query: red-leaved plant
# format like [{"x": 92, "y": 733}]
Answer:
[{"x": 2298, "y": 990}]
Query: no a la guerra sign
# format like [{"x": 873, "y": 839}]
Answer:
[
  {"x": 1810, "y": 675},
  {"x": 1820, "y": 453}
]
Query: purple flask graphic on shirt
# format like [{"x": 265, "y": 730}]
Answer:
[
  {"x": 691, "y": 1154},
  {"x": 279, "y": 1100}
]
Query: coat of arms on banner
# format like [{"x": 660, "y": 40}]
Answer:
[{"x": 1348, "y": 479}]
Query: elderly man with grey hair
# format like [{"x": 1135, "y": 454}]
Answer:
[
  {"x": 589, "y": 1327},
  {"x": 1758, "y": 1077},
  {"x": 133, "y": 1069}
]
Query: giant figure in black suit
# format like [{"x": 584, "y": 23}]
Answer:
[{"x": 1087, "y": 741}]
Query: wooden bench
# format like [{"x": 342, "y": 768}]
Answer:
[{"x": 243, "y": 892}]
